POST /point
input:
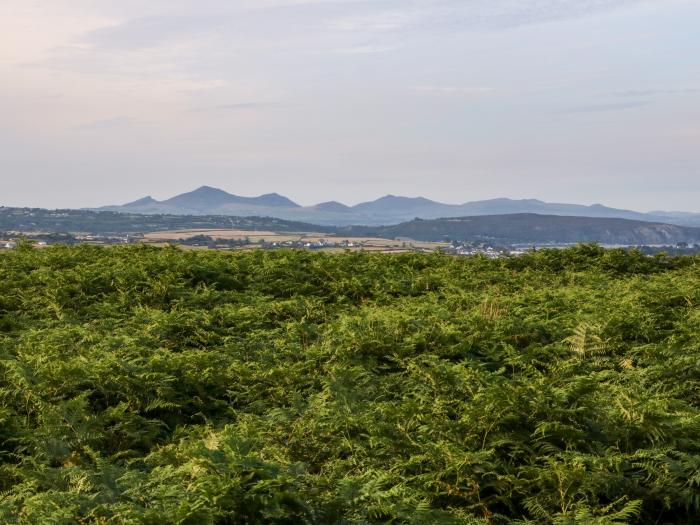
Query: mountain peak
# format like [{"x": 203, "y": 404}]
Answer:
[
  {"x": 396, "y": 204},
  {"x": 208, "y": 189},
  {"x": 144, "y": 201},
  {"x": 202, "y": 198},
  {"x": 209, "y": 199},
  {"x": 332, "y": 206},
  {"x": 392, "y": 197},
  {"x": 276, "y": 200}
]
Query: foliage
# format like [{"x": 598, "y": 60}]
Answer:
[
  {"x": 156, "y": 386},
  {"x": 116, "y": 223}
]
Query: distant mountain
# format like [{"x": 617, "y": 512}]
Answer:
[
  {"x": 395, "y": 204},
  {"x": 274, "y": 199},
  {"x": 202, "y": 198},
  {"x": 146, "y": 201},
  {"x": 680, "y": 217},
  {"x": 333, "y": 207},
  {"x": 390, "y": 209},
  {"x": 508, "y": 206},
  {"x": 527, "y": 228},
  {"x": 206, "y": 198}
]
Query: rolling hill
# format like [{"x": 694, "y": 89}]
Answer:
[
  {"x": 522, "y": 228},
  {"x": 30, "y": 220},
  {"x": 527, "y": 228}
]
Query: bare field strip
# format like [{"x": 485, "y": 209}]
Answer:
[
  {"x": 175, "y": 235},
  {"x": 254, "y": 237}
]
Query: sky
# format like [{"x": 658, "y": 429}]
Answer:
[{"x": 585, "y": 101}]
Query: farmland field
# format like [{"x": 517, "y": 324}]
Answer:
[
  {"x": 161, "y": 386},
  {"x": 254, "y": 236}
]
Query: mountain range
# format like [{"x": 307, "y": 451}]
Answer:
[{"x": 387, "y": 210}]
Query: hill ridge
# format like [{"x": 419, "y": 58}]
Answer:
[{"x": 385, "y": 210}]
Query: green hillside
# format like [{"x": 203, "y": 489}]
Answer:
[
  {"x": 159, "y": 386},
  {"x": 532, "y": 228},
  {"x": 111, "y": 223}
]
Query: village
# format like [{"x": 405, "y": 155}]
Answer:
[
  {"x": 234, "y": 240},
  {"x": 248, "y": 240}
]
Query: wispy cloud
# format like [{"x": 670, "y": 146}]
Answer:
[
  {"x": 512, "y": 13},
  {"x": 638, "y": 93},
  {"x": 141, "y": 33},
  {"x": 341, "y": 18},
  {"x": 108, "y": 123},
  {"x": 456, "y": 90},
  {"x": 601, "y": 108},
  {"x": 365, "y": 50},
  {"x": 238, "y": 106},
  {"x": 388, "y": 20}
]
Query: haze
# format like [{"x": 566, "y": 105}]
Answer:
[{"x": 102, "y": 102}]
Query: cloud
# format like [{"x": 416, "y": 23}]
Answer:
[
  {"x": 601, "y": 108},
  {"x": 333, "y": 18},
  {"x": 365, "y": 50},
  {"x": 140, "y": 33},
  {"x": 108, "y": 123},
  {"x": 441, "y": 16},
  {"x": 514, "y": 13},
  {"x": 637, "y": 93},
  {"x": 239, "y": 106},
  {"x": 390, "y": 19},
  {"x": 456, "y": 90}
]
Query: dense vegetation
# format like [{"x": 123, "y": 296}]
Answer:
[
  {"x": 157, "y": 386},
  {"x": 113, "y": 223}
]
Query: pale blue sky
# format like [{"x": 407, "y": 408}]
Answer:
[{"x": 565, "y": 100}]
